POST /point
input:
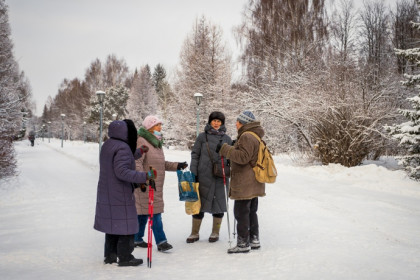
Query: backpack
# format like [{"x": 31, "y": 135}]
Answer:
[{"x": 265, "y": 169}]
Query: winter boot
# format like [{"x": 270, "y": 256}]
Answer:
[
  {"x": 163, "y": 247},
  {"x": 131, "y": 262},
  {"x": 140, "y": 244},
  {"x": 242, "y": 246},
  {"x": 217, "y": 222},
  {"x": 194, "y": 236},
  {"x": 255, "y": 242}
]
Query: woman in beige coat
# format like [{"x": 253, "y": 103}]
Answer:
[{"x": 150, "y": 135}]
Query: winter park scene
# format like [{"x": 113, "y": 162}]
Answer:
[{"x": 240, "y": 139}]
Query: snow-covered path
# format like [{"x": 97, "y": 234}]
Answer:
[{"x": 319, "y": 222}]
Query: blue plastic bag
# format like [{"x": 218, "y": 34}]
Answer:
[{"x": 186, "y": 181}]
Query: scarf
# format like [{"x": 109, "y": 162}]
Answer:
[{"x": 150, "y": 137}]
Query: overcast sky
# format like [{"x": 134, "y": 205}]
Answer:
[{"x": 57, "y": 39}]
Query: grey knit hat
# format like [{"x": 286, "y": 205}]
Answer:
[{"x": 246, "y": 117}]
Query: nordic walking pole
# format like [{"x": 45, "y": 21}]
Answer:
[
  {"x": 152, "y": 187},
  {"x": 227, "y": 199}
]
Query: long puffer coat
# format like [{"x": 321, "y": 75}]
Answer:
[
  {"x": 115, "y": 205},
  {"x": 155, "y": 158},
  {"x": 212, "y": 192},
  {"x": 243, "y": 155}
]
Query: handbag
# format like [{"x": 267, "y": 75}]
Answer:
[
  {"x": 217, "y": 168},
  {"x": 193, "y": 207},
  {"x": 186, "y": 181}
]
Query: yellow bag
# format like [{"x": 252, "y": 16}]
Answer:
[
  {"x": 193, "y": 207},
  {"x": 265, "y": 170}
]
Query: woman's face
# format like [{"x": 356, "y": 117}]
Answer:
[
  {"x": 157, "y": 127},
  {"x": 216, "y": 124}
]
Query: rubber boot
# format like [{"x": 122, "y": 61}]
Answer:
[
  {"x": 217, "y": 222},
  {"x": 194, "y": 236}
]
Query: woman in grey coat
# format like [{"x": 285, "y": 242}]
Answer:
[
  {"x": 116, "y": 214},
  {"x": 212, "y": 192}
]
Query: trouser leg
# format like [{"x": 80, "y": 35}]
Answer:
[
  {"x": 241, "y": 210},
  {"x": 111, "y": 241},
  {"x": 125, "y": 247},
  {"x": 157, "y": 228},
  {"x": 142, "y": 226},
  {"x": 253, "y": 218}
]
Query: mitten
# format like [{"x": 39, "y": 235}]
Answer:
[
  {"x": 182, "y": 165},
  {"x": 151, "y": 174},
  {"x": 143, "y": 149}
]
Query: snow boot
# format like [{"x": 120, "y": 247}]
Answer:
[
  {"x": 242, "y": 246},
  {"x": 194, "y": 236},
  {"x": 255, "y": 242},
  {"x": 131, "y": 262},
  {"x": 140, "y": 244},
  {"x": 163, "y": 247},
  {"x": 217, "y": 222}
]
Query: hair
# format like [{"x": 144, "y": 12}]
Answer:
[{"x": 132, "y": 135}]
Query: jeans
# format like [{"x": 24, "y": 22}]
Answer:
[{"x": 157, "y": 228}]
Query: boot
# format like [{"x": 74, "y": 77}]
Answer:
[
  {"x": 217, "y": 222},
  {"x": 132, "y": 261},
  {"x": 194, "y": 236},
  {"x": 255, "y": 242},
  {"x": 242, "y": 246},
  {"x": 165, "y": 246}
]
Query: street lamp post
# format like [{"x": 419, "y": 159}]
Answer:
[
  {"x": 43, "y": 131},
  {"x": 49, "y": 131},
  {"x": 84, "y": 132},
  {"x": 101, "y": 97},
  {"x": 198, "y": 97},
  {"x": 62, "y": 129}
]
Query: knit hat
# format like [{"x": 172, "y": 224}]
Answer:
[
  {"x": 246, "y": 117},
  {"x": 217, "y": 116},
  {"x": 150, "y": 121}
]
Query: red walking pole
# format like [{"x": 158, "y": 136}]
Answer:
[
  {"x": 152, "y": 187},
  {"x": 227, "y": 200}
]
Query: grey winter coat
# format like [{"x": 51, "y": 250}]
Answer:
[
  {"x": 212, "y": 193},
  {"x": 243, "y": 155},
  {"x": 115, "y": 204}
]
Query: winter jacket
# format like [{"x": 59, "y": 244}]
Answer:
[
  {"x": 115, "y": 205},
  {"x": 243, "y": 155},
  {"x": 212, "y": 192},
  {"x": 155, "y": 158}
]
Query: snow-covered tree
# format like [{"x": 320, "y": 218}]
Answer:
[
  {"x": 142, "y": 98},
  {"x": 205, "y": 67},
  {"x": 408, "y": 133},
  {"x": 14, "y": 97}
]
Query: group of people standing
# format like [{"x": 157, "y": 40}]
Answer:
[{"x": 122, "y": 208}]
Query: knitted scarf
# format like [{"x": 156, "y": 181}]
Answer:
[{"x": 150, "y": 138}]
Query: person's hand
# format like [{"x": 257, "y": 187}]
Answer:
[
  {"x": 196, "y": 178},
  {"x": 140, "y": 151},
  {"x": 182, "y": 165},
  {"x": 233, "y": 142},
  {"x": 151, "y": 174},
  {"x": 143, "y": 149}
]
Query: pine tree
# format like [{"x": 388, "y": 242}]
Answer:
[{"x": 408, "y": 133}]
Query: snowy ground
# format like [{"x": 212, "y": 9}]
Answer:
[{"x": 318, "y": 222}]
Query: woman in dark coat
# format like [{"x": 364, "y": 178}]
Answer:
[
  {"x": 116, "y": 214},
  {"x": 212, "y": 192}
]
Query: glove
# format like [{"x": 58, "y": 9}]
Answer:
[
  {"x": 143, "y": 149},
  {"x": 138, "y": 185},
  {"x": 219, "y": 146},
  {"x": 182, "y": 165},
  {"x": 233, "y": 142},
  {"x": 196, "y": 179},
  {"x": 140, "y": 151},
  {"x": 151, "y": 174}
]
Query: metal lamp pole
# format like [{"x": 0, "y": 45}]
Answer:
[
  {"x": 62, "y": 129},
  {"x": 101, "y": 97},
  {"x": 49, "y": 131},
  {"x": 198, "y": 97},
  {"x": 84, "y": 132}
]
